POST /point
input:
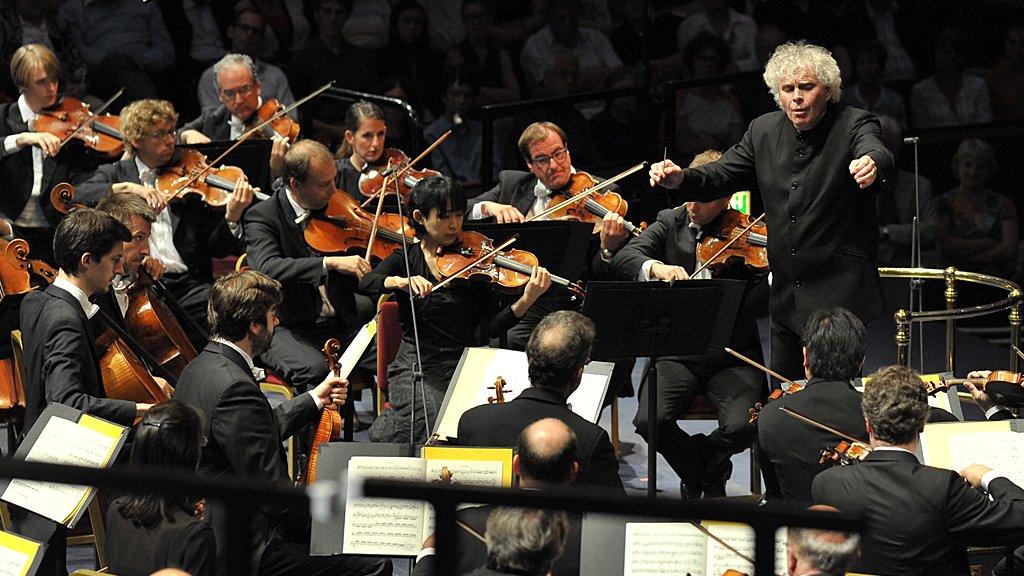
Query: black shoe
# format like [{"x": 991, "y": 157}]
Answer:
[
  {"x": 688, "y": 493},
  {"x": 713, "y": 483}
]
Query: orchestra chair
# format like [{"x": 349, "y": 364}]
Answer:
[
  {"x": 389, "y": 336},
  {"x": 278, "y": 392},
  {"x": 12, "y": 393}
]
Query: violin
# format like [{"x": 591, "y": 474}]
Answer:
[
  {"x": 499, "y": 391},
  {"x": 1005, "y": 387},
  {"x": 278, "y": 125},
  {"x": 509, "y": 270},
  {"x": 344, "y": 226},
  {"x": 329, "y": 426},
  {"x": 72, "y": 119},
  {"x": 845, "y": 453},
  {"x": 775, "y": 395},
  {"x": 191, "y": 175},
  {"x": 748, "y": 249},
  {"x": 370, "y": 181},
  {"x": 591, "y": 207}
]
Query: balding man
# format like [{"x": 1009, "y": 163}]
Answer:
[
  {"x": 820, "y": 552},
  {"x": 557, "y": 351},
  {"x": 320, "y": 299},
  {"x": 545, "y": 456}
]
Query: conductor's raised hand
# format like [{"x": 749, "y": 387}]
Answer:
[
  {"x": 864, "y": 171},
  {"x": 666, "y": 173},
  {"x": 333, "y": 390}
]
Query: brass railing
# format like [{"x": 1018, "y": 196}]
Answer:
[{"x": 951, "y": 314}]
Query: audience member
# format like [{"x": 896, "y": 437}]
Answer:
[
  {"x": 899, "y": 66},
  {"x": 35, "y": 22},
  {"x": 410, "y": 56},
  {"x": 754, "y": 99},
  {"x": 1006, "y": 79},
  {"x": 367, "y": 27},
  {"x": 195, "y": 28},
  {"x": 286, "y": 30},
  {"x": 124, "y": 43},
  {"x": 443, "y": 21},
  {"x": 627, "y": 38},
  {"x": 950, "y": 97},
  {"x": 480, "y": 57},
  {"x": 976, "y": 227},
  {"x": 148, "y": 532},
  {"x": 869, "y": 91},
  {"x": 707, "y": 117},
  {"x": 737, "y": 30},
  {"x": 820, "y": 552},
  {"x": 244, "y": 37},
  {"x": 459, "y": 156}
]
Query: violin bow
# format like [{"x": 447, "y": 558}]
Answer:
[
  {"x": 1017, "y": 351},
  {"x": 760, "y": 367},
  {"x": 817, "y": 424},
  {"x": 727, "y": 546},
  {"x": 248, "y": 134},
  {"x": 478, "y": 260},
  {"x": 98, "y": 111},
  {"x": 408, "y": 165},
  {"x": 727, "y": 244},
  {"x": 587, "y": 192}
]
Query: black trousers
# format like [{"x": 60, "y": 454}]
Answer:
[
  {"x": 733, "y": 390},
  {"x": 787, "y": 353}
]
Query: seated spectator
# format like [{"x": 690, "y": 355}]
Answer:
[
  {"x": 409, "y": 55},
  {"x": 869, "y": 92},
  {"x": 754, "y": 99},
  {"x": 976, "y": 227},
  {"x": 402, "y": 134},
  {"x": 444, "y": 24},
  {"x": 195, "y": 27},
  {"x": 896, "y": 210},
  {"x": 459, "y": 156},
  {"x": 479, "y": 56},
  {"x": 35, "y": 22},
  {"x": 899, "y": 65},
  {"x": 950, "y": 97},
  {"x": 148, "y": 532},
  {"x": 245, "y": 37},
  {"x": 124, "y": 43},
  {"x": 1006, "y": 78},
  {"x": 367, "y": 27},
  {"x": 738, "y": 31},
  {"x": 627, "y": 38},
  {"x": 286, "y": 30},
  {"x": 707, "y": 117},
  {"x": 598, "y": 62}
]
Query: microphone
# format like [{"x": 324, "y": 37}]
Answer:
[{"x": 912, "y": 140}]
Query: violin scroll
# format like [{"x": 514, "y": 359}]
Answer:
[{"x": 499, "y": 391}]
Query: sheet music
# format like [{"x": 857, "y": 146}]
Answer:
[
  {"x": 1003, "y": 451},
  {"x": 471, "y": 472},
  {"x": 658, "y": 548},
  {"x": 383, "y": 526},
  {"x": 740, "y": 537},
  {"x": 17, "y": 554},
  {"x": 350, "y": 357},
  {"x": 61, "y": 442}
]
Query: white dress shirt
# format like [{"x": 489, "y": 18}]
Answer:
[
  {"x": 88, "y": 307},
  {"x": 32, "y": 215},
  {"x": 327, "y": 309},
  {"x": 161, "y": 241}
]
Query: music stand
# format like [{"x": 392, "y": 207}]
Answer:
[
  {"x": 656, "y": 319},
  {"x": 252, "y": 156}
]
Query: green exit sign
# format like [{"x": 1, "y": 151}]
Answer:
[{"x": 741, "y": 201}]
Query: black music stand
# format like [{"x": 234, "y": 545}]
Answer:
[
  {"x": 656, "y": 319},
  {"x": 560, "y": 245},
  {"x": 252, "y": 156}
]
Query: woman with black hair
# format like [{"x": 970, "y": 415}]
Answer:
[
  {"x": 146, "y": 533},
  {"x": 448, "y": 320}
]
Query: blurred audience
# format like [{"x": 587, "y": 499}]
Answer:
[
  {"x": 869, "y": 91},
  {"x": 460, "y": 154},
  {"x": 738, "y": 31},
  {"x": 286, "y": 29},
  {"x": 950, "y": 96},
  {"x": 367, "y": 27},
  {"x": 707, "y": 117},
  {"x": 409, "y": 55},
  {"x": 1006, "y": 79},
  {"x": 896, "y": 209},
  {"x": 480, "y": 57}
]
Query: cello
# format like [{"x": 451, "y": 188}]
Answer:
[{"x": 329, "y": 426}]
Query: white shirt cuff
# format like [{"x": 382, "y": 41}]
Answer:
[
  {"x": 990, "y": 476},
  {"x": 645, "y": 270},
  {"x": 11, "y": 144},
  {"x": 477, "y": 213},
  {"x": 316, "y": 400},
  {"x": 991, "y": 411},
  {"x": 424, "y": 553}
]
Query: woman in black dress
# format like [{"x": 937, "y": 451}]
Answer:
[
  {"x": 146, "y": 533},
  {"x": 448, "y": 320}
]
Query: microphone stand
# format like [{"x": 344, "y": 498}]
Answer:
[{"x": 916, "y": 284}]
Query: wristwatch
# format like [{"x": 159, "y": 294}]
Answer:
[{"x": 606, "y": 254}]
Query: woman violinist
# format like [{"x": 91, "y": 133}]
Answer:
[
  {"x": 363, "y": 149},
  {"x": 448, "y": 320}
]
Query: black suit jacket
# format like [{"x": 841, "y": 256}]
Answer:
[
  {"x": 71, "y": 165},
  {"x": 186, "y": 542},
  {"x": 919, "y": 519},
  {"x": 514, "y": 188},
  {"x": 276, "y": 247},
  {"x": 789, "y": 449},
  {"x": 473, "y": 551},
  {"x": 61, "y": 360},
  {"x": 823, "y": 238},
  {"x": 200, "y": 233},
  {"x": 212, "y": 122},
  {"x": 243, "y": 433},
  {"x": 500, "y": 425}
]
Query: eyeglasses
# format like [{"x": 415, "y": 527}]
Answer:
[
  {"x": 545, "y": 161},
  {"x": 241, "y": 91},
  {"x": 161, "y": 134}
]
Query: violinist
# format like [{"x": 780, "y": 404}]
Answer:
[
  {"x": 449, "y": 319},
  {"x": 33, "y": 162},
  {"x": 186, "y": 234},
  {"x": 667, "y": 250},
  {"x": 362, "y": 150},
  {"x": 918, "y": 519},
  {"x": 320, "y": 299}
]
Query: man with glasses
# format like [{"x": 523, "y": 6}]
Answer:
[
  {"x": 186, "y": 234},
  {"x": 245, "y": 34}
]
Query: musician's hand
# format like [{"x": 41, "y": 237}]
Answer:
[
  {"x": 155, "y": 200},
  {"x": 277, "y": 151},
  {"x": 613, "y": 231},
  {"x": 981, "y": 398},
  {"x": 502, "y": 213},
  {"x": 6, "y": 229},
  {"x": 353, "y": 265},
  {"x": 49, "y": 143},
  {"x": 668, "y": 273},
  {"x": 540, "y": 281},
  {"x": 974, "y": 473},
  {"x": 164, "y": 385},
  {"x": 241, "y": 197},
  {"x": 193, "y": 137},
  {"x": 333, "y": 390},
  {"x": 667, "y": 174},
  {"x": 417, "y": 285},
  {"x": 864, "y": 171},
  {"x": 154, "y": 266}
]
